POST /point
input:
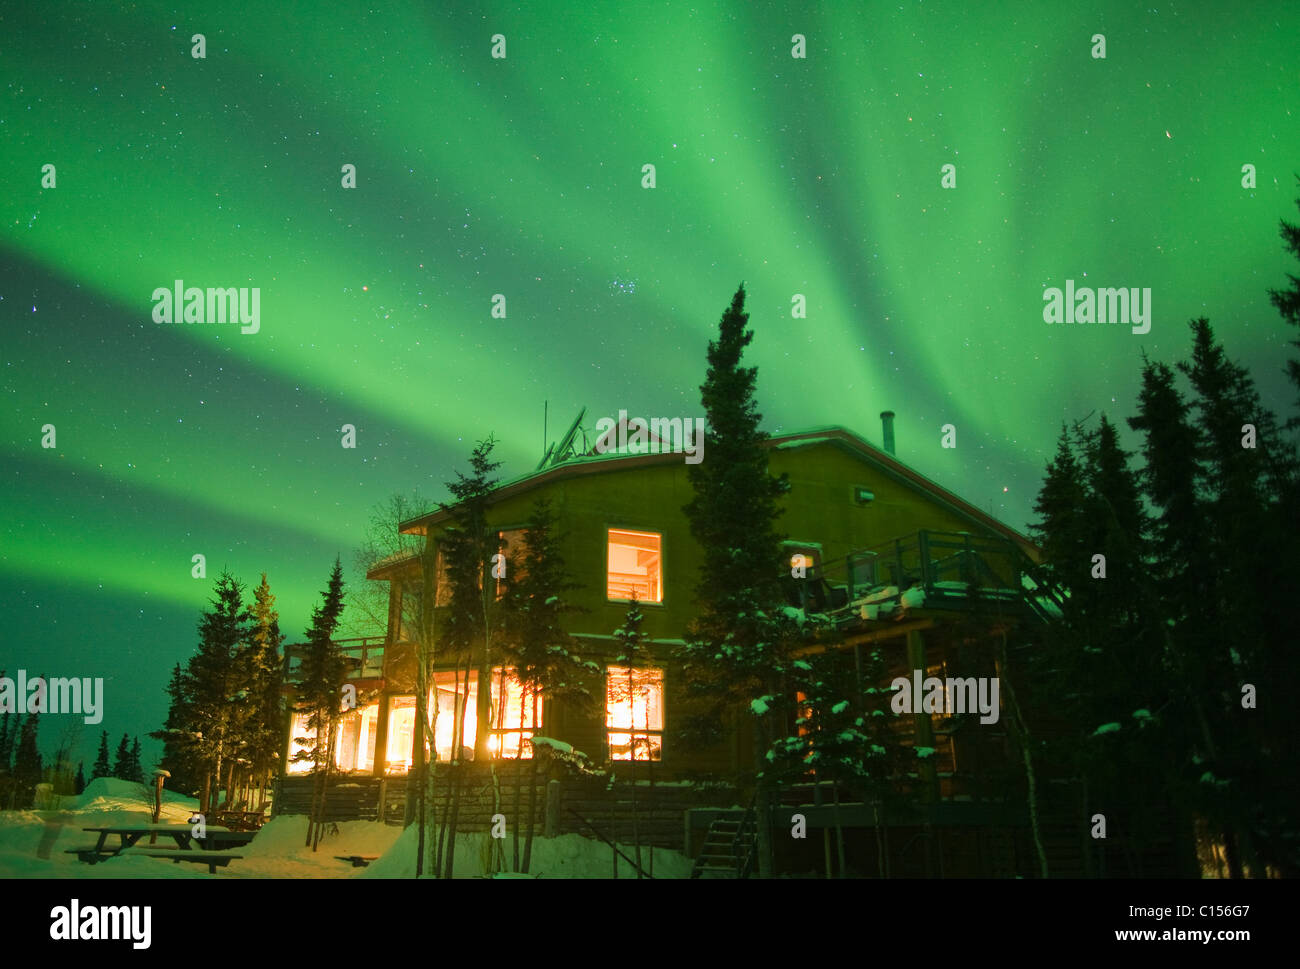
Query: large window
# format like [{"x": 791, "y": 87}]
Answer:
[
  {"x": 401, "y": 735},
  {"x": 514, "y": 720},
  {"x": 634, "y": 713},
  {"x": 514, "y": 709},
  {"x": 354, "y": 745},
  {"x": 635, "y": 566}
]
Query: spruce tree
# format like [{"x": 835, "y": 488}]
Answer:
[
  {"x": 473, "y": 624},
  {"x": 28, "y": 766},
  {"x": 737, "y": 649},
  {"x": 122, "y": 759},
  {"x": 179, "y": 739},
  {"x": 210, "y": 685},
  {"x": 625, "y": 689},
  {"x": 468, "y": 546},
  {"x": 79, "y": 782},
  {"x": 320, "y": 695},
  {"x": 260, "y": 667},
  {"x": 1246, "y": 474},
  {"x": 101, "y": 767},
  {"x": 1287, "y": 302},
  {"x": 8, "y": 731},
  {"x": 545, "y": 657},
  {"x": 135, "y": 769},
  {"x": 10, "y": 725}
]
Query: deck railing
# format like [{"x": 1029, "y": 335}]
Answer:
[
  {"x": 364, "y": 656},
  {"x": 952, "y": 566}
]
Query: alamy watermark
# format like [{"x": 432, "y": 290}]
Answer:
[
  {"x": 659, "y": 435},
  {"x": 82, "y": 696},
  {"x": 1130, "y": 307},
  {"x": 952, "y": 694},
  {"x": 182, "y": 304},
  {"x": 75, "y": 922}
]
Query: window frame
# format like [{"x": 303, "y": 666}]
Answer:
[
  {"x": 633, "y": 730},
  {"x": 663, "y": 565}
]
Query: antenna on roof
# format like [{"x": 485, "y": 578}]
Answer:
[{"x": 558, "y": 453}]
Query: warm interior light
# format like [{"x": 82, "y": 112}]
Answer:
[
  {"x": 634, "y": 713},
  {"x": 634, "y": 566}
]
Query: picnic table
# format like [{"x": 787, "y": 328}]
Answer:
[{"x": 207, "y": 851}]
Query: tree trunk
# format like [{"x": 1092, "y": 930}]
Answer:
[
  {"x": 631, "y": 709},
  {"x": 532, "y": 800},
  {"x": 463, "y": 707},
  {"x": 762, "y": 800},
  {"x": 519, "y": 771},
  {"x": 1021, "y": 731}
]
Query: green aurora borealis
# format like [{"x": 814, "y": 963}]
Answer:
[{"x": 522, "y": 176}]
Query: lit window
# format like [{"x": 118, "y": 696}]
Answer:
[
  {"x": 515, "y": 717},
  {"x": 634, "y": 713},
  {"x": 803, "y": 556},
  {"x": 354, "y": 749},
  {"x": 449, "y": 688},
  {"x": 516, "y": 713},
  {"x": 354, "y": 744},
  {"x": 301, "y": 739},
  {"x": 635, "y": 567},
  {"x": 399, "y": 756}
]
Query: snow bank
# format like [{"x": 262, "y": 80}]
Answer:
[{"x": 279, "y": 850}]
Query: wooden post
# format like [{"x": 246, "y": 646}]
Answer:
[
  {"x": 553, "y": 797},
  {"x": 381, "y": 737},
  {"x": 159, "y": 776},
  {"x": 924, "y": 728}
]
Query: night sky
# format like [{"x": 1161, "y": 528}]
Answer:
[{"x": 522, "y": 176}]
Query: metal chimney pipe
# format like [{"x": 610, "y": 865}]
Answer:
[{"x": 887, "y": 421}]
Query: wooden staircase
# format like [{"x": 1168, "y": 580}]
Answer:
[{"x": 730, "y": 845}]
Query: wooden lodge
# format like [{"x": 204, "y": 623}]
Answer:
[{"x": 897, "y": 562}]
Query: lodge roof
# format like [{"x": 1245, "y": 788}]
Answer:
[{"x": 835, "y": 436}]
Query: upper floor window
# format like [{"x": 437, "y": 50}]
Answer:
[{"x": 635, "y": 566}]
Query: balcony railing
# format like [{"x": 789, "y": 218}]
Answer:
[
  {"x": 955, "y": 569},
  {"x": 364, "y": 656}
]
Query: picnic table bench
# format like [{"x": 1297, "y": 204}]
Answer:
[
  {"x": 208, "y": 847},
  {"x": 213, "y": 859}
]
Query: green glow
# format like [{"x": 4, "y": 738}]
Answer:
[{"x": 523, "y": 177}]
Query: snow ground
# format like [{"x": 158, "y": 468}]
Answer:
[{"x": 33, "y": 844}]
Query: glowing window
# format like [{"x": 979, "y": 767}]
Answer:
[
  {"x": 634, "y": 713},
  {"x": 399, "y": 756},
  {"x": 354, "y": 744},
  {"x": 516, "y": 715},
  {"x": 635, "y": 567},
  {"x": 354, "y": 748},
  {"x": 514, "y": 718},
  {"x": 804, "y": 557},
  {"x": 301, "y": 739}
]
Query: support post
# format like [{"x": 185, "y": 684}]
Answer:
[{"x": 553, "y": 797}]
